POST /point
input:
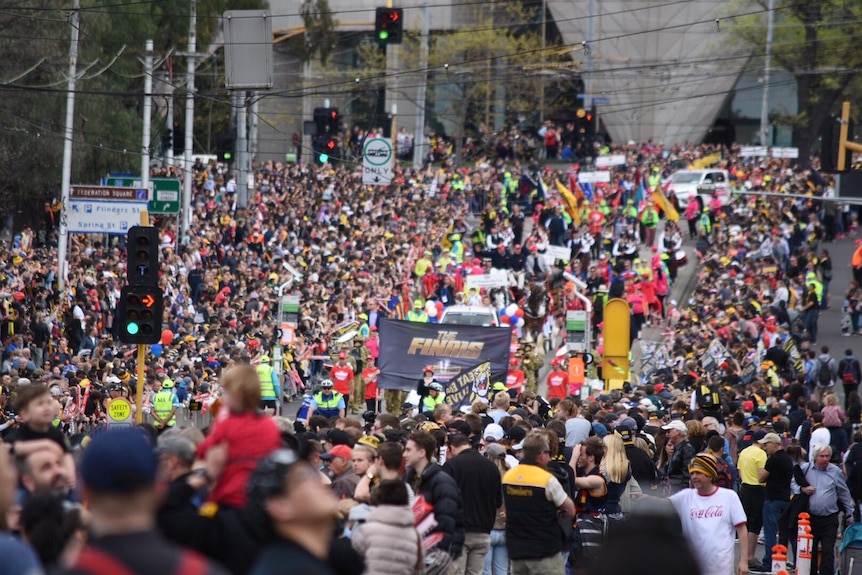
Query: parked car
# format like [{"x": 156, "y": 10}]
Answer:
[
  {"x": 691, "y": 184},
  {"x": 470, "y": 315}
]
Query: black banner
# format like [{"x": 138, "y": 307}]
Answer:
[
  {"x": 470, "y": 385},
  {"x": 454, "y": 350}
]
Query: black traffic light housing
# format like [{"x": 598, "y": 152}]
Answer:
[
  {"x": 389, "y": 25},
  {"x": 225, "y": 144},
  {"x": 140, "y": 313},
  {"x": 142, "y": 253},
  {"x": 830, "y": 145}
]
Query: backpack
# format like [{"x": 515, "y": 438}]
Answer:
[
  {"x": 824, "y": 374},
  {"x": 848, "y": 371},
  {"x": 725, "y": 475},
  {"x": 854, "y": 481},
  {"x": 710, "y": 399}
]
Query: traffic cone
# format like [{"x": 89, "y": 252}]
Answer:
[
  {"x": 803, "y": 523},
  {"x": 779, "y": 559},
  {"x": 805, "y": 543}
]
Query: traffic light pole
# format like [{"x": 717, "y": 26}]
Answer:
[
  {"x": 141, "y": 363},
  {"x": 844, "y": 145},
  {"x": 148, "y": 106}
]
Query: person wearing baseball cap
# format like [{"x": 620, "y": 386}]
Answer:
[
  {"x": 711, "y": 533},
  {"x": 777, "y": 474},
  {"x": 751, "y": 460},
  {"x": 118, "y": 471},
  {"x": 339, "y": 460},
  {"x": 680, "y": 452}
]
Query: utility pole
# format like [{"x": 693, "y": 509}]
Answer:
[
  {"x": 419, "y": 127},
  {"x": 148, "y": 109},
  {"x": 66, "y": 184},
  {"x": 767, "y": 65},
  {"x": 591, "y": 37},
  {"x": 253, "y": 133},
  {"x": 170, "y": 125},
  {"x": 242, "y": 151},
  {"x": 190, "y": 119},
  {"x": 542, "y": 68}
]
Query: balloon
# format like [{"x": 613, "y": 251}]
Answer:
[
  {"x": 432, "y": 311},
  {"x": 429, "y": 305},
  {"x": 519, "y": 313},
  {"x": 167, "y": 337},
  {"x": 502, "y": 312},
  {"x": 520, "y": 322},
  {"x": 439, "y": 306},
  {"x": 157, "y": 350},
  {"x": 511, "y": 309},
  {"x": 504, "y": 319}
]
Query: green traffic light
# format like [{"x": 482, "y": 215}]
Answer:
[
  {"x": 323, "y": 158},
  {"x": 132, "y": 328},
  {"x": 384, "y": 34},
  {"x": 227, "y": 156}
]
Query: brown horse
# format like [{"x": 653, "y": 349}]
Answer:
[{"x": 535, "y": 311}]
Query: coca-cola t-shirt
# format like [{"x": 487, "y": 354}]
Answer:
[{"x": 709, "y": 523}]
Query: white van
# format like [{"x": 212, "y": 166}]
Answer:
[
  {"x": 687, "y": 184},
  {"x": 470, "y": 315}
]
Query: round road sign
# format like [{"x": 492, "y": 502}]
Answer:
[
  {"x": 120, "y": 410},
  {"x": 377, "y": 152}
]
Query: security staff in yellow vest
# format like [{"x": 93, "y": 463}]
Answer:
[
  {"x": 534, "y": 499},
  {"x": 457, "y": 249},
  {"x": 417, "y": 314},
  {"x": 165, "y": 405},
  {"x": 811, "y": 280},
  {"x": 434, "y": 398},
  {"x": 327, "y": 402},
  {"x": 268, "y": 384}
]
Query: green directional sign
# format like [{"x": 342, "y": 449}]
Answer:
[{"x": 165, "y": 193}]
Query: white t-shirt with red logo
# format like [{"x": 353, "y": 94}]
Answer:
[{"x": 709, "y": 523}]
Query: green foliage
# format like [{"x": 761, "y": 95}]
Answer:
[
  {"x": 814, "y": 40},
  {"x": 109, "y": 91},
  {"x": 320, "y": 35}
]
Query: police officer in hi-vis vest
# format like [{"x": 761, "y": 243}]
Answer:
[{"x": 327, "y": 402}]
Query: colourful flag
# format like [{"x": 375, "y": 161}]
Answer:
[
  {"x": 664, "y": 204},
  {"x": 588, "y": 191},
  {"x": 571, "y": 203},
  {"x": 640, "y": 193}
]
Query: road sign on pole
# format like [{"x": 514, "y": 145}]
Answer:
[
  {"x": 377, "y": 162},
  {"x": 103, "y": 216},
  {"x": 164, "y": 195}
]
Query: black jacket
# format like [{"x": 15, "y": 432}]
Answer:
[
  {"x": 481, "y": 489},
  {"x": 643, "y": 468},
  {"x": 677, "y": 467},
  {"x": 440, "y": 490}
]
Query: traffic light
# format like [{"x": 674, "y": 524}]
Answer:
[
  {"x": 327, "y": 121},
  {"x": 325, "y": 148},
  {"x": 389, "y": 25},
  {"x": 140, "y": 314},
  {"x": 224, "y": 145},
  {"x": 830, "y": 145},
  {"x": 142, "y": 249}
]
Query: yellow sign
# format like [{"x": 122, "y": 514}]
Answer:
[
  {"x": 616, "y": 343},
  {"x": 119, "y": 411}
]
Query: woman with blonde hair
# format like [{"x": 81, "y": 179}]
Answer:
[
  {"x": 497, "y": 559},
  {"x": 696, "y": 434}
]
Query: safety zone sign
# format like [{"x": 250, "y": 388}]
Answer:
[
  {"x": 120, "y": 412},
  {"x": 377, "y": 162}
]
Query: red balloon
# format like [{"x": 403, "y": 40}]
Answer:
[
  {"x": 439, "y": 305},
  {"x": 504, "y": 319},
  {"x": 519, "y": 313},
  {"x": 167, "y": 337}
]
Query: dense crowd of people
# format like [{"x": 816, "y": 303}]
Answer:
[{"x": 542, "y": 478}]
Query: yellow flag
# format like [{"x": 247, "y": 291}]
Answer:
[
  {"x": 664, "y": 204},
  {"x": 571, "y": 202},
  {"x": 706, "y": 162}
]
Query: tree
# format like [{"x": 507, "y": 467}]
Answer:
[
  {"x": 498, "y": 44},
  {"x": 814, "y": 42}
]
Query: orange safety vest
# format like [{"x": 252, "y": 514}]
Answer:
[{"x": 856, "y": 261}]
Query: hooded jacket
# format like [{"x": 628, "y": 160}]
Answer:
[{"x": 389, "y": 542}]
